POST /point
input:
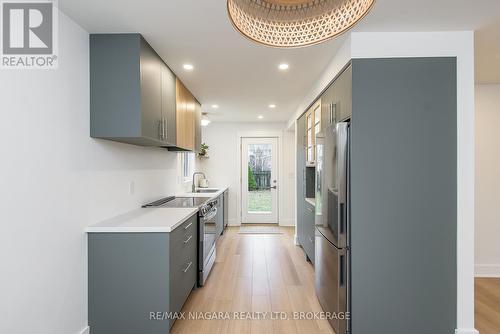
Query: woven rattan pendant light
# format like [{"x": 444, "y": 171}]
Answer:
[{"x": 295, "y": 23}]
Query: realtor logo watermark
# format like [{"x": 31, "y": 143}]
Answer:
[{"x": 29, "y": 34}]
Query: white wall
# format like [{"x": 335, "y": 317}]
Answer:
[
  {"x": 487, "y": 181},
  {"x": 55, "y": 180},
  {"x": 459, "y": 44},
  {"x": 223, "y": 166}
]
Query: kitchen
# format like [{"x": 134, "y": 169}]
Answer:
[{"x": 132, "y": 218}]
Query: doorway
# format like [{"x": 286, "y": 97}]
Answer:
[{"x": 259, "y": 180}]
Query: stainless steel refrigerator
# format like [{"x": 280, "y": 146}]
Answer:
[{"x": 332, "y": 224}]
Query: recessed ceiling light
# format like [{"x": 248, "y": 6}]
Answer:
[
  {"x": 283, "y": 66},
  {"x": 215, "y": 106},
  {"x": 272, "y": 106},
  {"x": 188, "y": 67},
  {"x": 260, "y": 117}
]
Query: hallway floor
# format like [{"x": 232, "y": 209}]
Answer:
[
  {"x": 256, "y": 273},
  {"x": 487, "y": 305}
]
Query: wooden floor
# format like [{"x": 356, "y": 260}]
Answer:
[
  {"x": 487, "y": 305},
  {"x": 255, "y": 273}
]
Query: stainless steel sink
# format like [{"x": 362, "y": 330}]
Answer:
[{"x": 207, "y": 190}]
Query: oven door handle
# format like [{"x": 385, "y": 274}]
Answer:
[{"x": 210, "y": 215}]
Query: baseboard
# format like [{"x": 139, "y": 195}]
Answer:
[
  {"x": 86, "y": 330},
  {"x": 487, "y": 270},
  {"x": 232, "y": 222},
  {"x": 287, "y": 222},
  {"x": 466, "y": 331}
]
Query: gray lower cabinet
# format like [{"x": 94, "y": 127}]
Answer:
[
  {"x": 225, "y": 197},
  {"x": 136, "y": 279},
  {"x": 301, "y": 179},
  {"x": 309, "y": 229},
  {"x": 132, "y": 92},
  {"x": 305, "y": 211},
  {"x": 219, "y": 225}
]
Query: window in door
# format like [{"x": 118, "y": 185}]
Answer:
[{"x": 259, "y": 180}]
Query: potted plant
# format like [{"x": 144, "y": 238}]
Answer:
[{"x": 203, "y": 154}]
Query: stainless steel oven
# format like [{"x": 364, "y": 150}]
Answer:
[
  {"x": 207, "y": 236},
  {"x": 207, "y": 228}
]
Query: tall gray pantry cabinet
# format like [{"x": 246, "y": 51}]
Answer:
[{"x": 403, "y": 192}]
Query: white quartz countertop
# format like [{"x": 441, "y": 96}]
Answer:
[
  {"x": 144, "y": 220},
  {"x": 210, "y": 195},
  {"x": 311, "y": 201},
  {"x": 152, "y": 220}
]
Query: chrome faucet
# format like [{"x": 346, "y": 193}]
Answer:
[{"x": 193, "y": 186}]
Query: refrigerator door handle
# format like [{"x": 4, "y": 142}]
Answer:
[
  {"x": 342, "y": 220},
  {"x": 342, "y": 156},
  {"x": 341, "y": 270}
]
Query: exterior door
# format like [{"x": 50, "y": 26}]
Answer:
[{"x": 259, "y": 180}]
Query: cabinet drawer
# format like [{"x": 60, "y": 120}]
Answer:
[
  {"x": 179, "y": 237},
  {"x": 182, "y": 277},
  {"x": 183, "y": 245},
  {"x": 308, "y": 244}
]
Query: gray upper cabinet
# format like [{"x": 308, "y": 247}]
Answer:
[
  {"x": 133, "y": 96},
  {"x": 151, "y": 92},
  {"x": 343, "y": 88},
  {"x": 168, "y": 104},
  {"x": 336, "y": 101}
]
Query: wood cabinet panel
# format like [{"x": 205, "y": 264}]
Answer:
[
  {"x": 182, "y": 115},
  {"x": 188, "y": 119}
]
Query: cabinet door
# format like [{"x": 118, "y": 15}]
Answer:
[
  {"x": 313, "y": 127},
  {"x": 344, "y": 88},
  {"x": 168, "y": 106},
  {"x": 191, "y": 109},
  {"x": 309, "y": 137},
  {"x": 181, "y": 114},
  {"x": 328, "y": 115},
  {"x": 186, "y": 107},
  {"x": 197, "y": 127},
  {"x": 151, "y": 114},
  {"x": 308, "y": 244},
  {"x": 301, "y": 183},
  {"x": 220, "y": 215}
]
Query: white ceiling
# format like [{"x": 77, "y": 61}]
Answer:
[{"x": 241, "y": 76}]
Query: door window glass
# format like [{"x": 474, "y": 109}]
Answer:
[{"x": 259, "y": 178}]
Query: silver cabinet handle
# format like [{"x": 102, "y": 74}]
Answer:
[
  {"x": 165, "y": 129},
  {"x": 187, "y": 240},
  {"x": 187, "y": 268},
  {"x": 188, "y": 226},
  {"x": 330, "y": 112},
  {"x": 160, "y": 129},
  {"x": 310, "y": 239}
]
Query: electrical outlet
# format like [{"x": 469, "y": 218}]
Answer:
[{"x": 131, "y": 188}]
